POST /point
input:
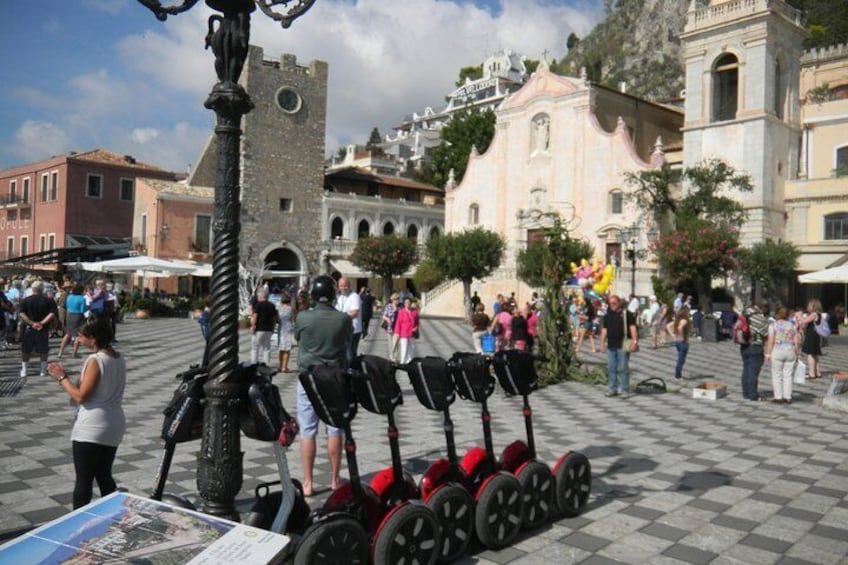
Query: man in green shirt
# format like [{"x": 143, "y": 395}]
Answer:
[{"x": 323, "y": 336}]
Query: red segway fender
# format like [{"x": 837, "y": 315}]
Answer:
[
  {"x": 440, "y": 473},
  {"x": 476, "y": 466},
  {"x": 383, "y": 486},
  {"x": 343, "y": 499},
  {"x": 514, "y": 456}
]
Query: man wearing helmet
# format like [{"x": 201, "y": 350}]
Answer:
[{"x": 324, "y": 336}]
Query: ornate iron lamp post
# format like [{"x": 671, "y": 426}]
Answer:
[
  {"x": 219, "y": 464},
  {"x": 630, "y": 240}
]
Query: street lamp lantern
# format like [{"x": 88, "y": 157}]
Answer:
[
  {"x": 219, "y": 464},
  {"x": 630, "y": 239}
]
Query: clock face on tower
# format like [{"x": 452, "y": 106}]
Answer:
[{"x": 288, "y": 100}]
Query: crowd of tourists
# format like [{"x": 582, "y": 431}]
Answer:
[{"x": 790, "y": 342}]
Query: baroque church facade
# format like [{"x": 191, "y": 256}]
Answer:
[{"x": 562, "y": 145}]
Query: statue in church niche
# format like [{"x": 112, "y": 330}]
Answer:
[{"x": 541, "y": 134}]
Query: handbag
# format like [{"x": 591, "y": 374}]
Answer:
[{"x": 799, "y": 377}]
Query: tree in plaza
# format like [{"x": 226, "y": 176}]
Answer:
[
  {"x": 699, "y": 225},
  {"x": 386, "y": 256},
  {"x": 427, "y": 275},
  {"x": 546, "y": 264},
  {"x": 374, "y": 141},
  {"x": 769, "y": 264},
  {"x": 466, "y": 255},
  {"x": 464, "y": 131}
]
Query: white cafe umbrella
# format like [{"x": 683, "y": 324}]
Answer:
[
  {"x": 139, "y": 263},
  {"x": 834, "y": 275}
]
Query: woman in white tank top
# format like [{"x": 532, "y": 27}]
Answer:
[{"x": 100, "y": 423}]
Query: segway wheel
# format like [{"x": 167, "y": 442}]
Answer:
[
  {"x": 537, "y": 491},
  {"x": 335, "y": 542},
  {"x": 409, "y": 535},
  {"x": 454, "y": 508},
  {"x": 574, "y": 483},
  {"x": 497, "y": 519}
]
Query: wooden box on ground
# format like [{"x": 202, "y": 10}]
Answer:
[{"x": 711, "y": 391}]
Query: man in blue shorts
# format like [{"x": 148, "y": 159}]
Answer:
[
  {"x": 37, "y": 311},
  {"x": 324, "y": 336}
]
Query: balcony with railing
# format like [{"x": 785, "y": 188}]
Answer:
[
  {"x": 735, "y": 9},
  {"x": 14, "y": 201}
]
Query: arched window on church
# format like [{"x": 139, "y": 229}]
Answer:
[
  {"x": 473, "y": 215},
  {"x": 337, "y": 228},
  {"x": 616, "y": 202},
  {"x": 388, "y": 228},
  {"x": 841, "y": 168},
  {"x": 779, "y": 89},
  {"x": 434, "y": 232},
  {"x": 364, "y": 230},
  {"x": 412, "y": 232},
  {"x": 725, "y": 88}
]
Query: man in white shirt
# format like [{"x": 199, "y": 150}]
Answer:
[{"x": 351, "y": 304}]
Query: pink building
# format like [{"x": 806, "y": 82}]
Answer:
[
  {"x": 173, "y": 221},
  {"x": 78, "y": 205}
]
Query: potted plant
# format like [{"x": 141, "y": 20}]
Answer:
[{"x": 144, "y": 307}]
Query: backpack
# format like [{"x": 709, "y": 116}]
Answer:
[
  {"x": 822, "y": 328},
  {"x": 741, "y": 331}
]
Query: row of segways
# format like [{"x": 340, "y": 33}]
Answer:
[{"x": 391, "y": 519}]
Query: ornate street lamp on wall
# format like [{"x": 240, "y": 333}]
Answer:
[
  {"x": 630, "y": 239},
  {"x": 219, "y": 465}
]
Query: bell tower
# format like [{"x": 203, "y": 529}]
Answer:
[{"x": 742, "y": 99}]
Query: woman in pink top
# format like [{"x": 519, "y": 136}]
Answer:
[
  {"x": 405, "y": 327},
  {"x": 503, "y": 338}
]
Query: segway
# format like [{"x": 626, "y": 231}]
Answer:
[
  {"x": 498, "y": 512},
  {"x": 410, "y": 531},
  {"x": 264, "y": 418},
  {"x": 572, "y": 473},
  {"x": 445, "y": 487},
  {"x": 183, "y": 422}
]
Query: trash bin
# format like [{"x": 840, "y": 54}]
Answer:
[{"x": 709, "y": 329}]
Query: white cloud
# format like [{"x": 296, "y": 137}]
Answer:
[
  {"x": 387, "y": 59},
  {"x": 36, "y": 140},
  {"x": 143, "y": 135}
]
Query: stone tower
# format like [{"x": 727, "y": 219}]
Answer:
[
  {"x": 742, "y": 99},
  {"x": 282, "y": 165}
]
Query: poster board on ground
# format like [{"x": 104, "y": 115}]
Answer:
[{"x": 123, "y": 527}]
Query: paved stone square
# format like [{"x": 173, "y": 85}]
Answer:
[{"x": 676, "y": 480}]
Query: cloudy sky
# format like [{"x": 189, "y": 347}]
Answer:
[{"x": 80, "y": 74}]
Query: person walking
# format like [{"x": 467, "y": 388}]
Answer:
[
  {"x": 367, "y": 301},
  {"x": 286, "y": 330},
  {"x": 782, "y": 353},
  {"x": 585, "y": 315},
  {"x": 753, "y": 352},
  {"x": 406, "y": 328},
  {"x": 502, "y": 327},
  {"x": 389, "y": 318},
  {"x": 37, "y": 311},
  {"x": 617, "y": 326},
  {"x": 75, "y": 319},
  {"x": 812, "y": 344},
  {"x": 100, "y": 423},
  {"x": 680, "y": 328},
  {"x": 262, "y": 323},
  {"x": 479, "y": 327},
  {"x": 350, "y": 303},
  {"x": 520, "y": 330},
  {"x": 650, "y": 317},
  {"x": 323, "y": 336},
  {"x": 205, "y": 322}
]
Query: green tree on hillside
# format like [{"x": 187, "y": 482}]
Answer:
[{"x": 464, "y": 130}]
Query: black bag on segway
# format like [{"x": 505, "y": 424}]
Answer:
[
  {"x": 262, "y": 414},
  {"x": 184, "y": 413},
  {"x": 330, "y": 393},
  {"x": 516, "y": 372},
  {"x": 471, "y": 376},
  {"x": 431, "y": 381},
  {"x": 374, "y": 384}
]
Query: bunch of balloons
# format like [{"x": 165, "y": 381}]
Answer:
[{"x": 594, "y": 278}]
